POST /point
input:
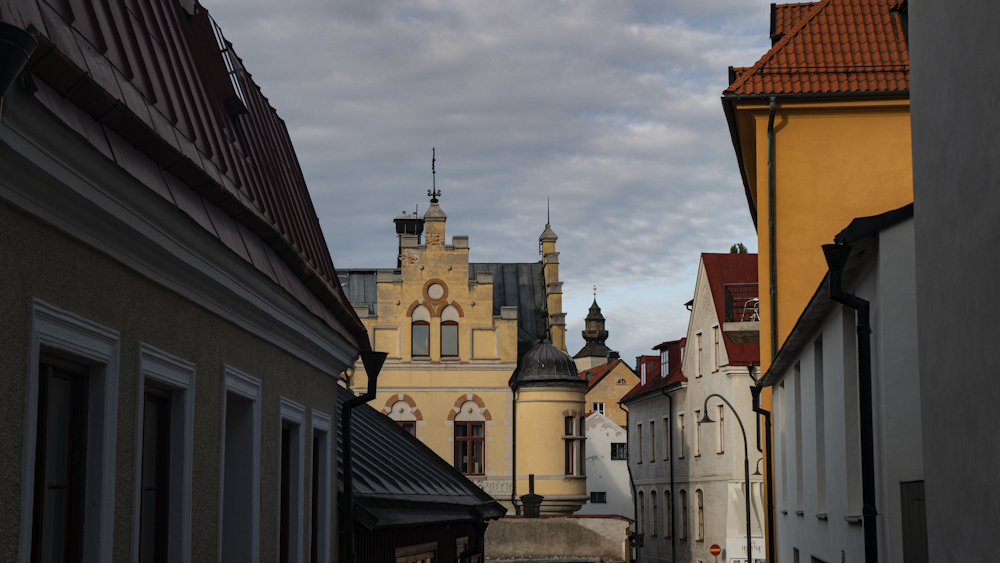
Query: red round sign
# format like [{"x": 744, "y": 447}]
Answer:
[{"x": 715, "y": 549}]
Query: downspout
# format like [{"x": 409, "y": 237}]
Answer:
[
  {"x": 772, "y": 277},
  {"x": 373, "y": 365},
  {"x": 769, "y": 482},
  {"x": 670, "y": 426},
  {"x": 631, "y": 483},
  {"x": 513, "y": 455},
  {"x": 836, "y": 257}
]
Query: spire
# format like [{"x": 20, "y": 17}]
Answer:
[{"x": 433, "y": 192}]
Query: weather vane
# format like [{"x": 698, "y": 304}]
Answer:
[
  {"x": 433, "y": 192},
  {"x": 595, "y": 292}
]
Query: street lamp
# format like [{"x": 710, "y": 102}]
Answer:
[
  {"x": 746, "y": 462},
  {"x": 756, "y": 469}
]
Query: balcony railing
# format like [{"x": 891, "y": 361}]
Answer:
[{"x": 742, "y": 303}]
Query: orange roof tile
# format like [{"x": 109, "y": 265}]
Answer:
[
  {"x": 787, "y": 15},
  {"x": 831, "y": 46},
  {"x": 597, "y": 373}
]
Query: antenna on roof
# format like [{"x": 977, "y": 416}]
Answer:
[
  {"x": 548, "y": 212},
  {"x": 433, "y": 192}
]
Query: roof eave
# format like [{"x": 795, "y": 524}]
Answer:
[{"x": 728, "y": 107}]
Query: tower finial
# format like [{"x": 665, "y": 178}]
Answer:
[
  {"x": 433, "y": 192},
  {"x": 595, "y": 293}
]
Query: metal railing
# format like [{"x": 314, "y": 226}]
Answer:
[{"x": 742, "y": 302}]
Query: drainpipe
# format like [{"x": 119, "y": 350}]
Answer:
[
  {"x": 836, "y": 257},
  {"x": 670, "y": 426},
  {"x": 631, "y": 483},
  {"x": 772, "y": 278},
  {"x": 513, "y": 454},
  {"x": 373, "y": 365},
  {"x": 769, "y": 483}
]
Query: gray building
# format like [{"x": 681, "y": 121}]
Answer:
[{"x": 954, "y": 50}]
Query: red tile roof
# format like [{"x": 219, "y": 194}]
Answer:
[
  {"x": 831, "y": 46},
  {"x": 597, "y": 373},
  {"x": 731, "y": 268},
  {"x": 653, "y": 383},
  {"x": 787, "y": 15}
]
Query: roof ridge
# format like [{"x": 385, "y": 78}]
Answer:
[{"x": 796, "y": 29}]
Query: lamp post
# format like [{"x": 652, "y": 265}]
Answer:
[{"x": 746, "y": 462}]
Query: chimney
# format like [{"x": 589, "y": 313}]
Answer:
[{"x": 408, "y": 231}]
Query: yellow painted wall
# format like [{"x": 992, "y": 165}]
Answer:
[
  {"x": 609, "y": 392},
  {"x": 540, "y": 444}
]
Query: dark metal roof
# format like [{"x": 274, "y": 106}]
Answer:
[
  {"x": 155, "y": 86},
  {"x": 394, "y": 470},
  {"x": 521, "y": 286},
  {"x": 360, "y": 287},
  {"x": 544, "y": 365}
]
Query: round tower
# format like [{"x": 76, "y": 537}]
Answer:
[{"x": 550, "y": 430}]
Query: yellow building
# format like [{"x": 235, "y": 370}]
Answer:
[
  {"x": 455, "y": 332},
  {"x": 821, "y": 128},
  {"x": 606, "y": 385}
]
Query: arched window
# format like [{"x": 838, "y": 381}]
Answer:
[
  {"x": 642, "y": 515},
  {"x": 470, "y": 439},
  {"x": 449, "y": 332},
  {"x": 699, "y": 499},
  {"x": 667, "y": 514},
  {"x": 684, "y": 515},
  {"x": 402, "y": 413},
  {"x": 653, "y": 520},
  {"x": 420, "y": 331}
]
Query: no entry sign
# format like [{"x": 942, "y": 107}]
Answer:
[{"x": 715, "y": 549}]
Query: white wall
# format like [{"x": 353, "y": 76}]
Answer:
[{"x": 603, "y": 473}]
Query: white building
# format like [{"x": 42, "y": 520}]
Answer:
[
  {"x": 818, "y": 414},
  {"x": 607, "y": 468}
]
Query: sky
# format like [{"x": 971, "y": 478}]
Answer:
[{"x": 608, "y": 108}]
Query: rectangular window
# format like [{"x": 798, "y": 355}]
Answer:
[
  {"x": 470, "y": 448},
  {"x": 664, "y": 363},
  {"x": 697, "y": 433},
  {"x": 449, "y": 338},
  {"x": 240, "y": 468},
  {"x": 409, "y": 425},
  {"x": 598, "y": 498},
  {"x": 420, "y": 342},
  {"x": 716, "y": 351},
  {"x": 154, "y": 523},
  {"x": 638, "y": 443},
  {"x": 652, "y": 441},
  {"x": 642, "y": 373},
  {"x": 599, "y": 408},
  {"x": 423, "y": 553},
  {"x": 573, "y": 443},
  {"x": 818, "y": 413},
  {"x": 291, "y": 474},
  {"x": 653, "y": 520},
  {"x": 697, "y": 358},
  {"x": 668, "y": 516},
  {"x": 60, "y": 462},
  {"x": 641, "y": 514},
  {"x": 319, "y": 522},
  {"x": 721, "y": 431},
  {"x": 680, "y": 434},
  {"x": 700, "y": 499},
  {"x": 684, "y": 514},
  {"x": 783, "y": 468},
  {"x": 798, "y": 439},
  {"x": 619, "y": 451},
  {"x": 666, "y": 438}
]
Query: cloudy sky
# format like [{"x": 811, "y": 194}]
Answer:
[{"x": 608, "y": 107}]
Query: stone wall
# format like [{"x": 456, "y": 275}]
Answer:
[{"x": 568, "y": 538}]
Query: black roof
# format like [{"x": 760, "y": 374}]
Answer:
[
  {"x": 544, "y": 365},
  {"x": 398, "y": 481},
  {"x": 521, "y": 286}
]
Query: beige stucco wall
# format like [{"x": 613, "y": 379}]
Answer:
[
  {"x": 37, "y": 261},
  {"x": 609, "y": 392}
]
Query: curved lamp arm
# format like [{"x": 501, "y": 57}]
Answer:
[{"x": 706, "y": 420}]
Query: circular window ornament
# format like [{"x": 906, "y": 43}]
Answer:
[{"x": 435, "y": 291}]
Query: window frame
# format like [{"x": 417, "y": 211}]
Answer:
[
  {"x": 697, "y": 433},
  {"x": 684, "y": 515},
  {"x": 574, "y": 434},
  {"x": 413, "y": 336},
  {"x": 442, "y": 339},
  {"x": 594, "y": 499},
  {"x": 653, "y": 507},
  {"x": 697, "y": 359},
  {"x": 470, "y": 439},
  {"x": 638, "y": 444},
  {"x": 652, "y": 441},
  {"x": 291, "y": 421},
  {"x": 64, "y": 334},
  {"x": 720, "y": 431},
  {"x": 622, "y": 451},
  {"x": 249, "y": 388},
  {"x": 699, "y": 497},
  {"x": 320, "y": 490},
  {"x": 598, "y": 407}
]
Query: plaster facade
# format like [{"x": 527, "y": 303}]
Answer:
[
  {"x": 816, "y": 417},
  {"x": 607, "y": 467},
  {"x": 610, "y": 389}
]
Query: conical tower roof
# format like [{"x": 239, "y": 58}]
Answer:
[{"x": 544, "y": 365}]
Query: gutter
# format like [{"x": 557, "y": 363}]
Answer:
[
  {"x": 836, "y": 257},
  {"x": 772, "y": 262},
  {"x": 373, "y": 365}
]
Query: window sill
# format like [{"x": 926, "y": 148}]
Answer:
[
  {"x": 785, "y": 512},
  {"x": 821, "y": 516},
  {"x": 799, "y": 513},
  {"x": 420, "y": 358},
  {"x": 451, "y": 359},
  {"x": 853, "y": 519}
]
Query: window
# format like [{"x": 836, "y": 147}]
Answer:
[
  {"x": 782, "y": 412},
  {"x": 619, "y": 451},
  {"x": 598, "y": 498},
  {"x": 403, "y": 414},
  {"x": 598, "y": 408},
  {"x": 697, "y": 433},
  {"x": 653, "y": 528},
  {"x": 720, "y": 433},
  {"x": 291, "y": 487},
  {"x": 240, "y": 468},
  {"x": 449, "y": 332},
  {"x": 818, "y": 414},
  {"x": 470, "y": 446},
  {"x": 319, "y": 522},
  {"x": 420, "y": 344},
  {"x": 664, "y": 363},
  {"x": 70, "y": 434},
  {"x": 652, "y": 441},
  {"x": 573, "y": 442},
  {"x": 680, "y": 434},
  {"x": 666, "y": 438},
  {"x": 621, "y": 381},
  {"x": 716, "y": 352},
  {"x": 697, "y": 358},
  {"x": 60, "y": 462},
  {"x": 700, "y": 500},
  {"x": 164, "y": 455},
  {"x": 423, "y": 553},
  {"x": 641, "y": 514},
  {"x": 668, "y": 516},
  {"x": 797, "y": 398},
  {"x": 684, "y": 514},
  {"x": 638, "y": 435}
]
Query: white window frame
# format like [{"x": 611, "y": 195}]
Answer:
[
  {"x": 721, "y": 431},
  {"x": 68, "y": 335},
  {"x": 248, "y": 387},
  {"x": 177, "y": 376},
  {"x": 697, "y": 433},
  {"x": 652, "y": 441},
  {"x": 294, "y": 414},
  {"x": 666, "y": 438},
  {"x": 716, "y": 355},
  {"x": 638, "y": 444},
  {"x": 697, "y": 357},
  {"x": 322, "y": 425},
  {"x": 680, "y": 434},
  {"x": 598, "y": 407}
]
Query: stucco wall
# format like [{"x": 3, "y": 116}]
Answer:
[
  {"x": 40, "y": 262},
  {"x": 954, "y": 51},
  {"x": 562, "y": 537},
  {"x": 609, "y": 392},
  {"x": 604, "y": 474}
]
